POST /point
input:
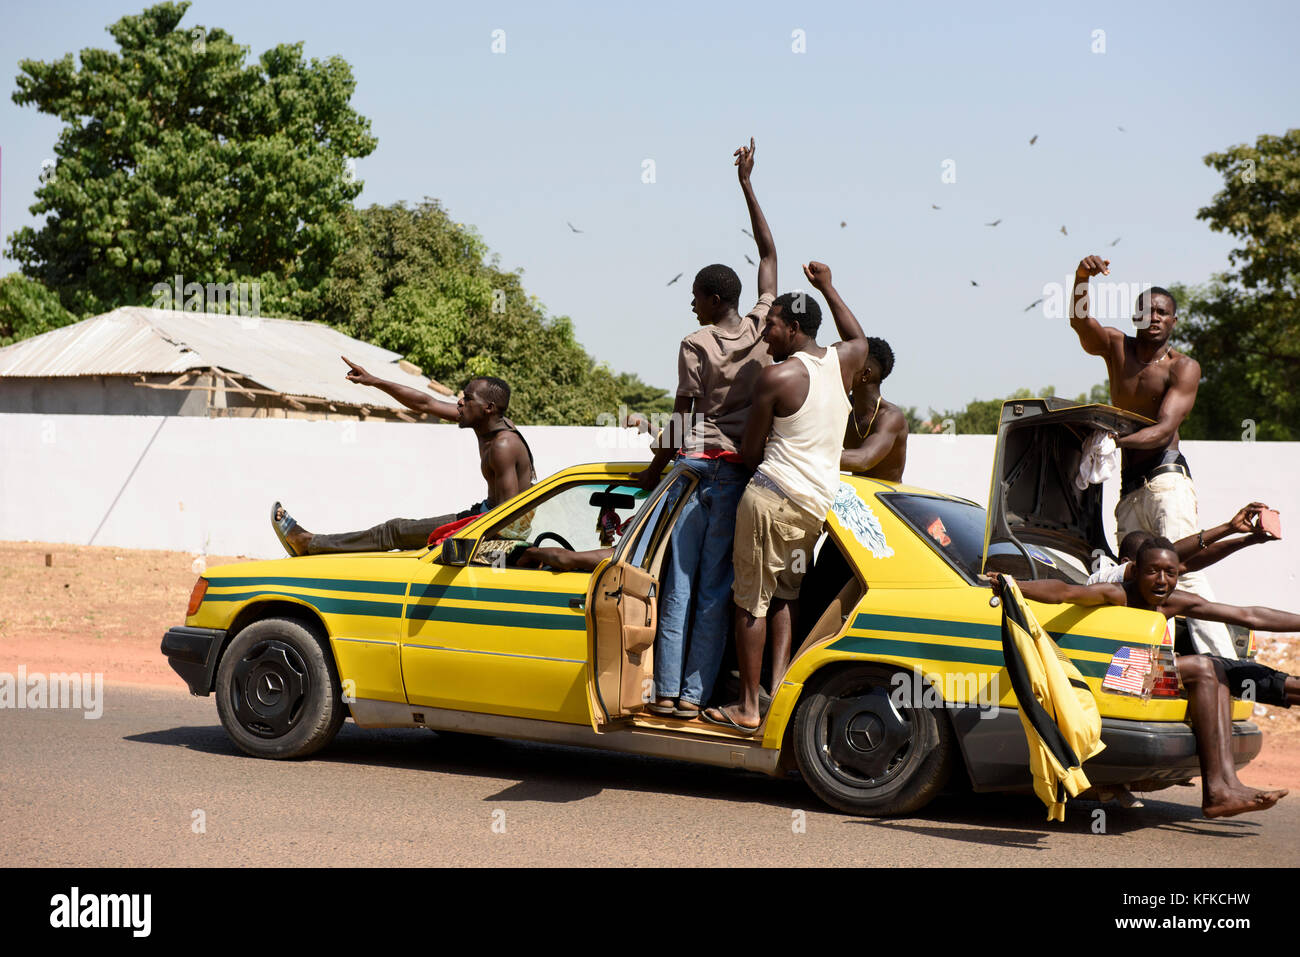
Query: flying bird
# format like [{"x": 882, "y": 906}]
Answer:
[
  {"x": 750, "y": 261},
  {"x": 573, "y": 227},
  {"x": 674, "y": 279},
  {"x": 843, "y": 224},
  {"x": 1121, "y": 129},
  {"x": 1033, "y": 139},
  {"x": 1063, "y": 232},
  {"x": 1116, "y": 242},
  {"x": 746, "y": 232},
  {"x": 1032, "y": 304},
  {"x": 974, "y": 283},
  {"x": 994, "y": 223},
  {"x": 932, "y": 206}
]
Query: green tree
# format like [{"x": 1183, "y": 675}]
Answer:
[
  {"x": 179, "y": 157},
  {"x": 27, "y": 309},
  {"x": 413, "y": 281},
  {"x": 915, "y": 424},
  {"x": 640, "y": 396},
  {"x": 980, "y": 417},
  {"x": 1243, "y": 326},
  {"x": 1099, "y": 394}
]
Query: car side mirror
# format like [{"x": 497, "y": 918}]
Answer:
[{"x": 457, "y": 551}]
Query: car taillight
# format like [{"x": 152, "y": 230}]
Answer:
[
  {"x": 196, "y": 597},
  {"x": 1164, "y": 672}
]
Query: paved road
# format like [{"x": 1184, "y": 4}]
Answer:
[{"x": 123, "y": 789}]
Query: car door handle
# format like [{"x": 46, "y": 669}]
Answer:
[{"x": 578, "y": 604}]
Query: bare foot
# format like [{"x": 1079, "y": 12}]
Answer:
[
  {"x": 732, "y": 716},
  {"x": 1242, "y": 802}
]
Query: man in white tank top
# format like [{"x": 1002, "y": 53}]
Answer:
[{"x": 793, "y": 439}]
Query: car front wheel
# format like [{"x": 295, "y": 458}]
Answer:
[
  {"x": 865, "y": 749},
  {"x": 278, "y": 694}
]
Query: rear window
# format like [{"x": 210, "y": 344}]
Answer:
[{"x": 953, "y": 529}]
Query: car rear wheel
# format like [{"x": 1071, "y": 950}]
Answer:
[
  {"x": 862, "y": 753},
  {"x": 278, "y": 694}
]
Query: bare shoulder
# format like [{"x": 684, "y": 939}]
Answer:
[
  {"x": 780, "y": 376},
  {"x": 507, "y": 442},
  {"x": 854, "y": 348},
  {"x": 1117, "y": 340},
  {"x": 1183, "y": 365},
  {"x": 892, "y": 416},
  {"x": 782, "y": 371}
]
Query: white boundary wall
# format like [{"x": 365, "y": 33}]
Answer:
[{"x": 206, "y": 485}]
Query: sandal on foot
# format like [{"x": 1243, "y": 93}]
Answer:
[
  {"x": 662, "y": 710},
  {"x": 727, "y": 721},
  {"x": 283, "y": 526}
]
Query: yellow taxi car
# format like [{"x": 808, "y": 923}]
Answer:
[{"x": 897, "y": 686}]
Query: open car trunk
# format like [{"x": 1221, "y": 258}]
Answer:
[{"x": 1034, "y": 503}]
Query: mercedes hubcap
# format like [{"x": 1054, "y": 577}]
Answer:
[
  {"x": 269, "y": 689},
  {"x": 867, "y": 739}
]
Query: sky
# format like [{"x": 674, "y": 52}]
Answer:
[{"x": 858, "y": 127}]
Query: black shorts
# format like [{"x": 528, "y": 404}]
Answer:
[
  {"x": 1254, "y": 682},
  {"x": 1267, "y": 685}
]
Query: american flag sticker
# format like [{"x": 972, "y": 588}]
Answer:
[{"x": 1128, "y": 671}]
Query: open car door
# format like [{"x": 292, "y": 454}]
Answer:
[{"x": 622, "y": 603}]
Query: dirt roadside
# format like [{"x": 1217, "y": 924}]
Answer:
[{"x": 106, "y": 609}]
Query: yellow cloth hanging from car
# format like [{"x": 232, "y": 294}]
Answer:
[{"x": 1057, "y": 708}]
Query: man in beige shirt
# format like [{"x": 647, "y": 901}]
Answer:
[
  {"x": 793, "y": 440},
  {"x": 717, "y": 368}
]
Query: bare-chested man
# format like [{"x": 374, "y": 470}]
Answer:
[
  {"x": 1148, "y": 376},
  {"x": 1154, "y": 587},
  {"x": 504, "y": 456},
  {"x": 875, "y": 439}
]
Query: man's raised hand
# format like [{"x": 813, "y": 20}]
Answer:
[
  {"x": 819, "y": 274},
  {"x": 357, "y": 374},
  {"x": 745, "y": 160},
  {"x": 1090, "y": 266},
  {"x": 1244, "y": 522}
]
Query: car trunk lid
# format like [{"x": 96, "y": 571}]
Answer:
[{"x": 1033, "y": 499}]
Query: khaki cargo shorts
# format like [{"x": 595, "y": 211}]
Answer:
[{"x": 773, "y": 548}]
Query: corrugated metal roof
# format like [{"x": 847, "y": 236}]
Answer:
[{"x": 285, "y": 355}]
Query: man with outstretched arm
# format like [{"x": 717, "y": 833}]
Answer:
[
  {"x": 1154, "y": 587},
  {"x": 504, "y": 457},
  {"x": 875, "y": 439},
  {"x": 793, "y": 440},
  {"x": 1148, "y": 376},
  {"x": 717, "y": 367},
  {"x": 1195, "y": 552}
]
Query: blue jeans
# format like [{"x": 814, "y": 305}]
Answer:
[{"x": 699, "y": 564}]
